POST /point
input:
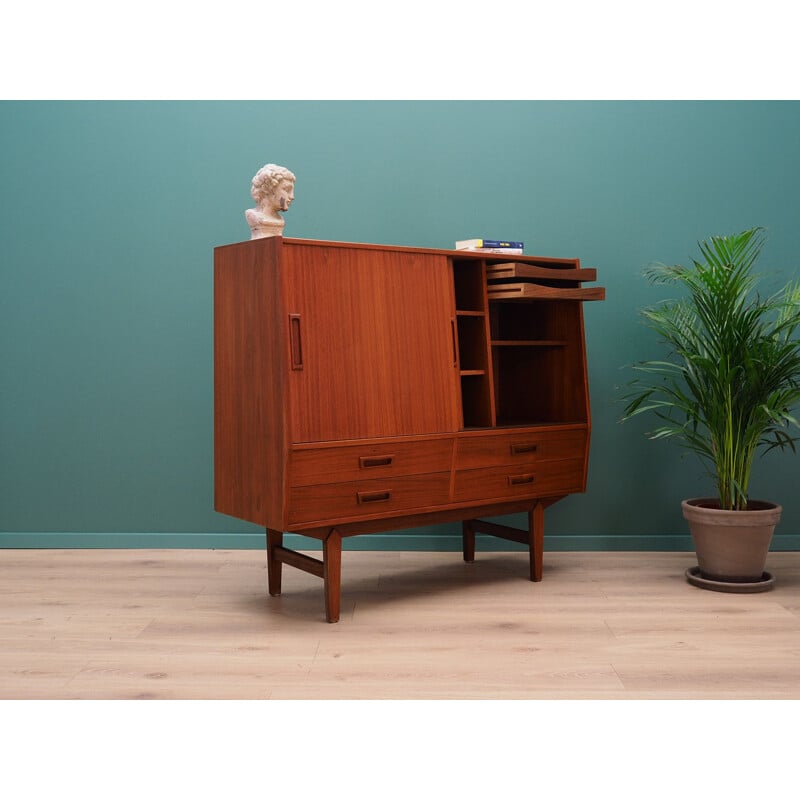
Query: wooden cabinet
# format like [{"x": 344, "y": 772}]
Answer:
[{"x": 360, "y": 388}]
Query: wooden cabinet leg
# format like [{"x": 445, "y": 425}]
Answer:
[
  {"x": 536, "y": 540},
  {"x": 332, "y": 574},
  {"x": 468, "y": 537},
  {"x": 274, "y": 539}
]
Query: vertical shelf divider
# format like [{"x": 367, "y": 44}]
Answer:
[
  {"x": 489, "y": 354},
  {"x": 474, "y": 343}
]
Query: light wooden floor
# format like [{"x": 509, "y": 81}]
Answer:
[{"x": 200, "y": 624}]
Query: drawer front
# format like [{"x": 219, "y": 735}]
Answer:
[
  {"x": 537, "y": 480},
  {"x": 354, "y": 499},
  {"x": 367, "y": 461},
  {"x": 519, "y": 448}
]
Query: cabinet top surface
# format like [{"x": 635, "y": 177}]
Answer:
[{"x": 466, "y": 254}]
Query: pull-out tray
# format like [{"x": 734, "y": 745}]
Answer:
[
  {"x": 512, "y": 270},
  {"x": 534, "y": 291}
]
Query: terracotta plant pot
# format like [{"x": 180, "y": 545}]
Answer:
[{"x": 731, "y": 546}]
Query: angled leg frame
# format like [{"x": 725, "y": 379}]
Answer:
[
  {"x": 329, "y": 568},
  {"x": 533, "y": 537}
]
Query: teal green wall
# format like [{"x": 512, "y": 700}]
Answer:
[{"x": 110, "y": 211}]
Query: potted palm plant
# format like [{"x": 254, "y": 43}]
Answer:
[{"x": 725, "y": 391}]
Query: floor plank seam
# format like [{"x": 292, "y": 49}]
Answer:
[
  {"x": 610, "y": 630},
  {"x": 619, "y": 677}
]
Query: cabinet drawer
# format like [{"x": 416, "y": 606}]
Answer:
[
  {"x": 519, "y": 448},
  {"x": 536, "y": 480},
  {"x": 366, "y": 461},
  {"x": 337, "y": 501}
]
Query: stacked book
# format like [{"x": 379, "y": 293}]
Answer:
[{"x": 491, "y": 246}]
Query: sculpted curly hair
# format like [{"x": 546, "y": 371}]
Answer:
[{"x": 267, "y": 179}]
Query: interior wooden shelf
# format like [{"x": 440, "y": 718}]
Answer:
[
  {"x": 507, "y": 423},
  {"x": 461, "y": 313},
  {"x": 469, "y": 372},
  {"x": 529, "y": 343}
]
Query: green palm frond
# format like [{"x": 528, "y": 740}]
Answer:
[{"x": 732, "y": 373}]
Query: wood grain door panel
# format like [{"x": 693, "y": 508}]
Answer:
[{"x": 371, "y": 344}]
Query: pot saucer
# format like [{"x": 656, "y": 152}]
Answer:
[{"x": 696, "y": 579}]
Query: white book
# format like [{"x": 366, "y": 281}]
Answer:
[{"x": 510, "y": 251}]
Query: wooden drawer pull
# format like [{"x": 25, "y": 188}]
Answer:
[
  {"x": 365, "y": 462},
  {"x": 295, "y": 341},
  {"x": 520, "y": 449},
  {"x": 519, "y": 480},
  {"x": 373, "y": 497}
]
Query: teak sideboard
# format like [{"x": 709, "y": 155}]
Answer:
[{"x": 362, "y": 388}]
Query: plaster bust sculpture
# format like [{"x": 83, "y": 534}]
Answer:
[{"x": 273, "y": 190}]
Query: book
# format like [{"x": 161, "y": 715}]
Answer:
[
  {"x": 483, "y": 244},
  {"x": 506, "y": 251}
]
